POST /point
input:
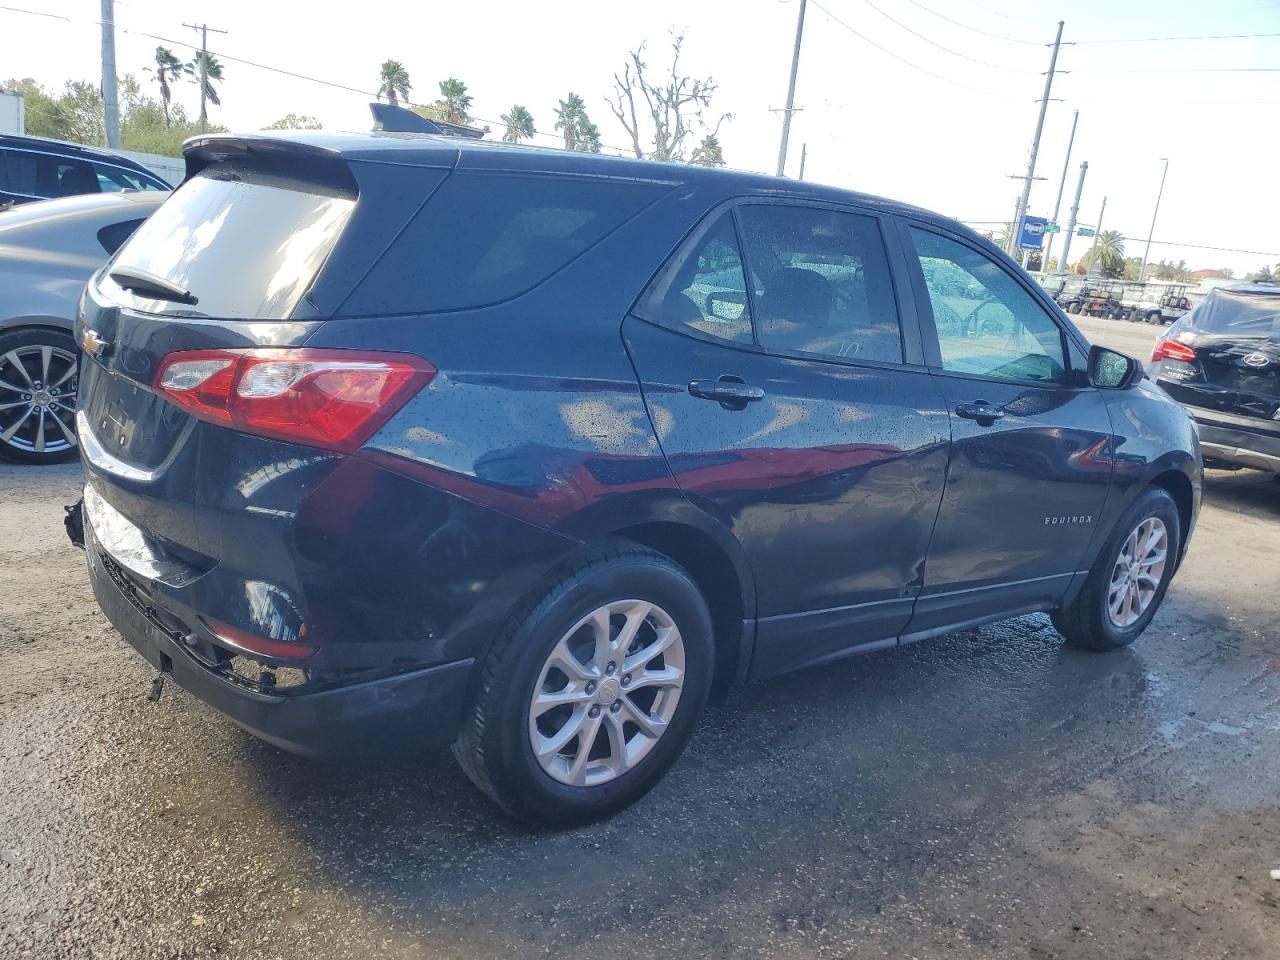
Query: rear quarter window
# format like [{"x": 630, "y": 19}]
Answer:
[{"x": 485, "y": 238}]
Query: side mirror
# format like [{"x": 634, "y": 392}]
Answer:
[{"x": 1113, "y": 370}]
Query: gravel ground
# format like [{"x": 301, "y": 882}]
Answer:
[{"x": 986, "y": 794}]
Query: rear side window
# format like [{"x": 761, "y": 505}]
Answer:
[
  {"x": 113, "y": 179},
  {"x": 245, "y": 249},
  {"x": 704, "y": 288},
  {"x": 113, "y": 235},
  {"x": 484, "y": 238},
  {"x": 821, "y": 282}
]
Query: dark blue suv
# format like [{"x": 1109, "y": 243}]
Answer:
[
  {"x": 401, "y": 439},
  {"x": 36, "y": 168}
]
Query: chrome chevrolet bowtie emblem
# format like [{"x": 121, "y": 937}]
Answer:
[
  {"x": 1255, "y": 360},
  {"x": 91, "y": 342}
]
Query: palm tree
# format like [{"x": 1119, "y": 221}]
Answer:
[
  {"x": 455, "y": 100},
  {"x": 569, "y": 115},
  {"x": 212, "y": 73},
  {"x": 1108, "y": 252},
  {"x": 709, "y": 153},
  {"x": 519, "y": 123},
  {"x": 167, "y": 69},
  {"x": 588, "y": 136},
  {"x": 394, "y": 82}
]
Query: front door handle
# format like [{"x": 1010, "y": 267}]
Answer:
[
  {"x": 981, "y": 411},
  {"x": 729, "y": 391}
]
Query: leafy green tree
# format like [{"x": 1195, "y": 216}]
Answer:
[
  {"x": 294, "y": 121},
  {"x": 393, "y": 82},
  {"x": 519, "y": 123},
  {"x": 1265, "y": 275},
  {"x": 708, "y": 153},
  {"x": 168, "y": 68},
  {"x": 1107, "y": 252},
  {"x": 570, "y": 112},
  {"x": 572, "y": 121},
  {"x": 455, "y": 100},
  {"x": 1132, "y": 268},
  {"x": 212, "y": 75}
]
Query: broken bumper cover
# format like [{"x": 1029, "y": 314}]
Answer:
[{"x": 404, "y": 711}]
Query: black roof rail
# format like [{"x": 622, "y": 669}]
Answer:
[{"x": 392, "y": 118}]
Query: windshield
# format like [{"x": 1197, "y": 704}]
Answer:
[
  {"x": 244, "y": 250},
  {"x": 1239, "y": 314}
]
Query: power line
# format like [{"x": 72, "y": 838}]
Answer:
[
  {"x": 985, "y": 33},
  {"x": 1180, "y": 70},
  {"x": 1202, "y": 36},
  {"x": 913, "y": 66},
  {"x": 37, "y": 13},
  {"x": 954, "y": 53}
]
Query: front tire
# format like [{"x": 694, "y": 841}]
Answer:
[
  {"x": 1127, "y": 582},
  {"x": 592, "y": 691}
]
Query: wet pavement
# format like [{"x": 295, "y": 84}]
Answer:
[{"x": 986, "y": 794}]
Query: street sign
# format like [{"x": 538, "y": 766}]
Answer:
[
  {"x": 1031, "y": 232},
  {"x": 1053, "y": 228},
  {"x": 1084, "y": 232}
]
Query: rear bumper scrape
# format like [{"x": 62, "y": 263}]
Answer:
[{"x": 402, "y": 712}]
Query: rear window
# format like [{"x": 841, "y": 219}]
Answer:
[
  {"x": 485, "y": 238},
  {"x": 244, "y": 249},
  {"x": 1241, "y": 314}
]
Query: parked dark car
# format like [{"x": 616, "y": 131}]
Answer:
[
  {"x": 36, "y": 168},
  {"x": 394, "y": 437},
  {"x": 1222, "y": 361},
  {"x": 47, "y": 252}
]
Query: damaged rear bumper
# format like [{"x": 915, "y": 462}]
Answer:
[{"x": 404, "y": 711}]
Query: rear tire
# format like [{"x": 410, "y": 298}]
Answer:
[
  {"x": 525, "y": 754},
  {"x": 38, "y": 380},
  {"x": 1091, "y": 620}
]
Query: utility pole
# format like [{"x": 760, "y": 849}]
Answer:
[
  {"x": 204, "y": 29},
  {"x": 791, "y": 92},
  {"x": 110, "y": 98},
  {"x": 1057, "y": 204},
  {"x": 1094, "y": 246},
  {"x": 1075, "y": 210},
  {"x": 804, "y": 151},
  {"x": 1035, "y": 143},
  {"x": 1142, "y": 276}
]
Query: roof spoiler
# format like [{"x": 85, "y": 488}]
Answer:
[
  {"x": 318, "y": 166},
  {"x": 393, "y": 118}
]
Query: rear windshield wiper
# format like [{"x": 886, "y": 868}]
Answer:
[{"x": 149, "y": 285}]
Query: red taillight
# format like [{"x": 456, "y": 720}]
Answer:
[
  {"x": 334, "y": 399},
  {"x": 253, "y": 643},
  {"x": 1172, "y": 350}
]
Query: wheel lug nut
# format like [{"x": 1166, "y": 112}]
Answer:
[
  {"x": 610, "y": 668},
  {"x": 591, "y": 686},
  {"x": 594, "y": 711},
  {"x": 26, "y": 396},
  {"x": 626, "y": 679},
  {"x": 615, "y": 706}
]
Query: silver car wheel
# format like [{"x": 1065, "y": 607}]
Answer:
[
  {"x": 606, "y": 693},
  {"x": 38, "y": 398},
  {"x": 1138, "y": 571}
]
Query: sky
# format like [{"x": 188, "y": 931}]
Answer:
[{"x": 933, "y": 102}]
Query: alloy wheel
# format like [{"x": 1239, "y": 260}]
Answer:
[
  {"x": 606, "y": 693},
  {"x": 38, "y": 399},
  {"x": 1137, "y": 573}
]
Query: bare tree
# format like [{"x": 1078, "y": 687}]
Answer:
[{"x": 674, "y": 105}]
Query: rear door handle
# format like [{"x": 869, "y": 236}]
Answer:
[
  {"x": 729, "y": 391},
  {"x": 981, "y": 411}
]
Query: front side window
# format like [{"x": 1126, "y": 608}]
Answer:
[
  {"x": 988, "y": 324},
  {"x": 704, "y": 289},
  {"x": 821, "y": 283}
]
